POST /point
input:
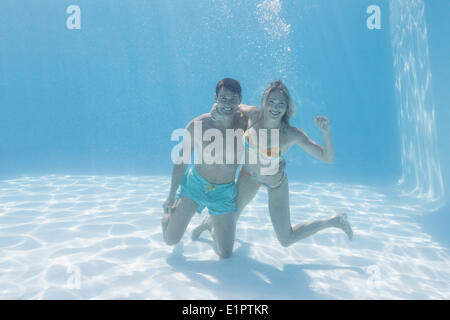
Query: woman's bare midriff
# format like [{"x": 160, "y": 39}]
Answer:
[{"x": 257, "y": 172}]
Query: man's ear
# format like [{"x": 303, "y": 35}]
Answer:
[{"x": 215, "y": 97}]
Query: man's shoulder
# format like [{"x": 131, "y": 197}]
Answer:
[{"x": 204, "y": 118}]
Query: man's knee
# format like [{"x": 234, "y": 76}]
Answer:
[
  {"x": 227, "y": 253},
  {"x": 171, "y": 242},
  {"x": 225, "y": 249},
  {"x": 170, "y": 239},
  {"x": 284, "y": 241}
]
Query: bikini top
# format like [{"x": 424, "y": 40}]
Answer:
[{"x": 270, "y": 153}]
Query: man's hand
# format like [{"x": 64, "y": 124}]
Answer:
[
  {"x": 168, "y": 204},
  {"x": 323, "y": 123},
  {"x": 215, "y": 114}
]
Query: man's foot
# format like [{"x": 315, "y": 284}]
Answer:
[
  {"x": 195, "y": 234},
  {"x": 343, "y": 224}
]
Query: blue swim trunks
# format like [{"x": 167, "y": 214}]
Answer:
[{"x": 218, "y": 198}]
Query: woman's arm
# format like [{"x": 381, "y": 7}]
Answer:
[{"x": 325, "y": 153}]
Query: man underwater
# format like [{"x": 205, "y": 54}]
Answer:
[{"x": 210, "y": 185}]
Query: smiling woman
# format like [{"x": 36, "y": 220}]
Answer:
[
  {"x": 275, "y": 96},
  {"x": 277, "y": 109}
]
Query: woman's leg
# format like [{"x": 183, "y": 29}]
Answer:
[
  {"x": 281, "y": 220},
  {"x": 246, "y": 191}
]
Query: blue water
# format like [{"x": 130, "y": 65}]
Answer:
[
  {"x": 106, "y": 98},
  {"x": 103, "y": 100}
]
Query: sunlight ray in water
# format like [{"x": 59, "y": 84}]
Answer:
[{"x": 421, "y": 171}]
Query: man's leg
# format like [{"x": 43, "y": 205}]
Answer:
[
  {"x": 223, "y": 230},
  {"x": 175, "y": 222},
  {"x": 246, "y": 191}
]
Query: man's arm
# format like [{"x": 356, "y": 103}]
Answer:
[
  {"x": 179, "y": 168},
  {"x": 178, "y": 172},
  {"x": 250, "y": 112}
]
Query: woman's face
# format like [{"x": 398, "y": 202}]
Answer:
[{"x": 276, "y": 105}]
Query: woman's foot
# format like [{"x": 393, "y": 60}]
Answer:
[
  {"x": 195, "y": 234},
  {"x": 343, "y": 224}
]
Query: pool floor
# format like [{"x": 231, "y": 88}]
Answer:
[{"x": 99, "y": 237}]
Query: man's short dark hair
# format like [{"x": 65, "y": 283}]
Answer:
[{"x": 230, "y": 84}]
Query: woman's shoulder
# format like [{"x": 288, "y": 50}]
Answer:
[{"x": 291, "y": 133}]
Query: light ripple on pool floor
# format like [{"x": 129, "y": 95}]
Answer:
[{"x": 106, "y": 233}]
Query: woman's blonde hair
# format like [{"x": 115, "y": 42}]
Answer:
[{"x": 283, "y": 89}]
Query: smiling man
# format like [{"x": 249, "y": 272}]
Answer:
[{"x": 210, "y": 185}]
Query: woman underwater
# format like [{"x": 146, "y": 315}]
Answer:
[{"x": 277, "y": 109}]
